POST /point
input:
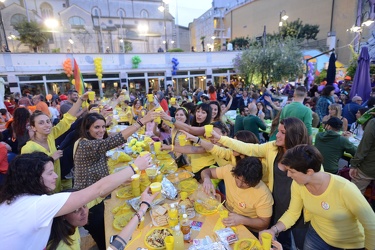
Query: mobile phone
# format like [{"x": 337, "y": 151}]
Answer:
[{"x": 112, "y": 238}]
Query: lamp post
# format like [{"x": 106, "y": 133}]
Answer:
[
  {"x": 71, "y": 43},
  {"x": 283, "y": 16},
  {"x": 162, "y": 9}
]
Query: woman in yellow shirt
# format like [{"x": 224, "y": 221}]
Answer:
[{"x": 336, "y": 208}]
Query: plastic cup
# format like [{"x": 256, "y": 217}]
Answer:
[
  {"x": 208, "y": 130},
  {"x": 157, "y": 147},
  {"x": 135, "y": 181},
  {"x": 169, "y": 242},
  {"x": 224, "y": 213},
  {"x": 266, "y": 240},
  {"x": 150, "y": 97},
  {"x": 144, "y": 153},
  {"x": 173, "y": 101},
  {"x": 182, "y": 139},
  {"x": 183, "y": 195},
  {"x": 156, "y": 187},
  {"x": 91, "y": 95}
]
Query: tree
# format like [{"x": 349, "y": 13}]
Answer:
[
  {"x": 31, "y": 34},
  {"x": 297, "y": 30},
  {"x": 240, "y": 42},
  {"x": 278, "y": 60}
]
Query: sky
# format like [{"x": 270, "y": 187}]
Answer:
[{"x": 188, "y": 10}]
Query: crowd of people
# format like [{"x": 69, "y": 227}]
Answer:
[{"x": 282, "y": 178}]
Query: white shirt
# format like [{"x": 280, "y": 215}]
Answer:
[
  {"x": 54, "y": 113},
  {"x": 26, "y": 223}
]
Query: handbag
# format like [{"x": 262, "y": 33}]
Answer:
[{"x": 181, "y": 161}]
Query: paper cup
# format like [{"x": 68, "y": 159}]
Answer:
[
  {"x": 169, "y": 242},
  {"x": 183, "y": 195},
  {"x": 157, "y": 146},
  {"x": 173, "y": 101},
  {"x": 182, "y": 139},
  {"x": 208, "y": 130},
  {"x": 91, "y": 95},
  {"x": 266, "y": 240},
  {"x": 150, "y": 97},
  {"x": 156, "y": 187}
]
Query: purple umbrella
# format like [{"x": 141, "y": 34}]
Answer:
[{"x": 362, "y": 81}]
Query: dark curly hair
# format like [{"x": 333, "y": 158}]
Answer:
[
  {"x": 24, "y": 177},
  {"x": 250, "y": 168},
  {"x": 87, "y": 121}
]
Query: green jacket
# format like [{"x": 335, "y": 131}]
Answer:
[
  {"x": 332, "y": 146},
  {"x": 364, "y": 159}
]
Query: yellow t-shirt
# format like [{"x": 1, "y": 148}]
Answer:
[
  {"x": 341, "y": 216},
  {"x": 199, "y": 161},
  {"x": 223, "y": 156},
  {"x": 76, "y": 242},
  {"x": 251, "y": 202}
]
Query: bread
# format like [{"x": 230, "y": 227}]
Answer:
[{"x": 159, "y": 210}]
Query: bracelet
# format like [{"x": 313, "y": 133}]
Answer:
[
  {"x": 140, "y": 123},
  {"x": 199, "y": 139},
  {"x": 118, "y": 245},
  {"x": 145, "y": 202},
  {"x": 277, "y": 230},
  {"x": 172, "y": 147},
  {"x": 139, "y": 217},
  {"x": 135, "y": 168}
]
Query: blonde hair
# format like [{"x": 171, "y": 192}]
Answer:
[{"x": 336, "y": 107}]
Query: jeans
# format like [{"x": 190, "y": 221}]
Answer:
[{"x": 313, "y": 241}]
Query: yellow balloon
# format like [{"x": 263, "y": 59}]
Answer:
[{"x": 73, "y": 81}]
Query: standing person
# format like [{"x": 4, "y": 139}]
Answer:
[
  {"x": 325, "y": 99},
  {"x": 38, "y": 101},
  {"x": 3, "y": 161},
  {"x": 245, "y": 100},
  {"x": 252, "y": 122},
  {"x": 298, "y": 110},
  {"x": 55, "y": 114},
  {"x": 44, "y": 136},
  {"x": 291, "y": 132},
  {"x": 332, "y": 145},
  {"x": 30, "y": 183},
  {"x": 337, "y": 210},
  {"x": 90, "y": 162},
  {"x": 68, "y": 104},
  {"x": 212, "y": 93},
  {"x": 25, "y": 101},
  {"x": 238, "y": 123},
  {"x": 362, "y": 165},
  {"x": 9, "y": 105}
]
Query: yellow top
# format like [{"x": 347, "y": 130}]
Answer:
[
  {"x": 251, "y": 202},
  {"x": 199, "y": 161},
  {"x": 339, "y": 215},
  {"x": 56, "y": 131},
  {"x": 76, "y": 242},
  {"x": 223, "y": 156},
  {"x": 266, "y": 151}
]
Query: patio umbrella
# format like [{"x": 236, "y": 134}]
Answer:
[
  {"x": 331, "y": 71},
  {"x": 362, "y": 81}
]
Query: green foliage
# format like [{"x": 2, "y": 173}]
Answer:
[
  {"x": 136, "y": 60},
  {"x": 128, "y": 46},
  {"x": 322, "y": 75},
  {"x": 31, "y": 34},
  {"x": 350, "y": 71},
  {"x": 57, "y": 50},
  {"x": 176, "y": 50},
  {"x": 297, "y": 30},
  {"x": 240, "y": 42},
  {"x": 278, "y": 60}
]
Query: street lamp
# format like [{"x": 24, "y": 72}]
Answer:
[
  {"x": 283, "y": 16},
  {"x": 162, "y": 8},
  {"x": 71, "y": 43}
]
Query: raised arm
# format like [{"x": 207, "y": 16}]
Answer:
[
  {"x": 137, "y": 125},
  {"x": 74, "y": 110},
  {"x": 183, "y": 126},
  {"x": 229, "y": 104},
  {"x": 207, "y": 145}
]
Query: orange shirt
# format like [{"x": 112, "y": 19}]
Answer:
[{"x": 42, "y": 106}]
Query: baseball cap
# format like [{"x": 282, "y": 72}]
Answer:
[
  {"x": 63, "y": 97},
  {"x": 335, "y": 123}
]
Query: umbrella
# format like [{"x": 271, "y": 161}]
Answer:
[
  {"x": 331, "y": 71},
  {"x": 362, "y": 81}
]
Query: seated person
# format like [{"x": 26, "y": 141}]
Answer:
[
  {"x": 249, "y": 200},
  {"x": 332, "y": 145},
  {"x": 254, "y": 122}
]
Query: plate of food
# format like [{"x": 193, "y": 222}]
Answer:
[
  {"x": 124, "y": 192},
  {"x": 159, "y": 215},
  {"x": 188, "y": 185},
  {"x": 248, "y": 244},
  {"x": 155, "y": 238},
  {"x": 201, "y": 209}
]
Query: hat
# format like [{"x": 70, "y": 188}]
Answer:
[
  {"x": 63, "y": 97},
  {"x": 335, "y": 123}
]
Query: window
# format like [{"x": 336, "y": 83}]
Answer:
[
  {"x": 46, "y": 10},
  {"x": 121, "y": 13},
  {"x": 17, "y": 18},
  {"x": 95, "y": 11},
  {"x": 76, "y": 20},
  {"x": 144, "y": 14}
]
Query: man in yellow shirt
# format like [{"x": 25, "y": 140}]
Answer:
[{"x": 249, "y": 200}]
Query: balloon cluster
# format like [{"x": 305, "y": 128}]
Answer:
[
  {"x": 310, "y": 74},
  {"x": 174, "y": 66},
  {"x": 98, "y": 67},
  {"x": 49, "y": 97},
  {"x": 68, "y": 68},
  {"x": 136, "y": 60}
]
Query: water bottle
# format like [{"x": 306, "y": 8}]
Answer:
[{"x": 178, "y": 238}]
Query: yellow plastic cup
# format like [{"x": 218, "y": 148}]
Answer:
[
  {"x": 173, "y": 101},
  {"x": 224, "y": 213},
  {"x": 135, "y": 181},
  {"x": 143, "y": 153},
  {"x": 157, "y": 147},
  {"x": 169, "y": 242},
  {"x": 183, "y": 195},
  {"x": 266, "y": 240},
  {"x": 150, "y": 97},
  {"x": 91, "y": 95},
  {"x": 156, "y": 187},
  {"x": 182, "y": 139},
  {"x": 136, "y": 191},
  {"x": 208, "y": 130}
]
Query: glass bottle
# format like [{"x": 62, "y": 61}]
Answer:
[
  {"x": 185, "y": 228},
  {"x": 366, "y": 116}
]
